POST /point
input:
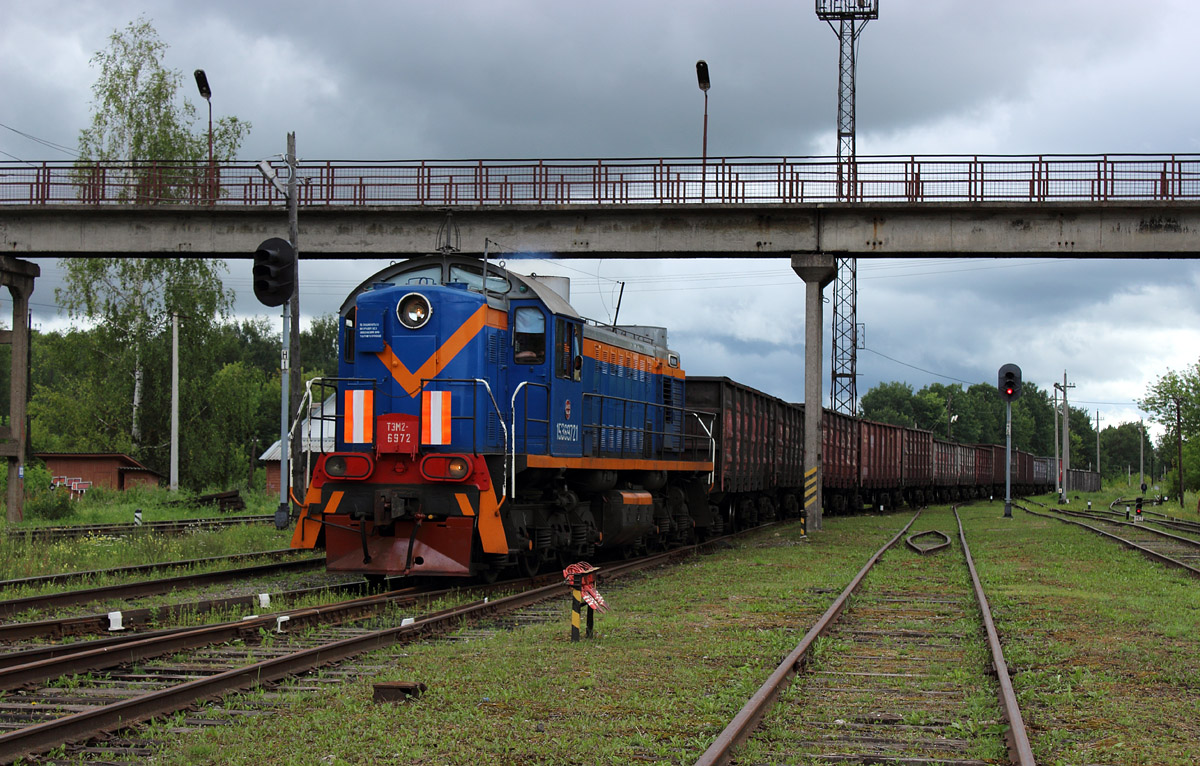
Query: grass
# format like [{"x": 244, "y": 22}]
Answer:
[
  {"x": 1100, "y": 641},
  {"x": 21, "y": 557},
  {"x": 101, "y": 506}
]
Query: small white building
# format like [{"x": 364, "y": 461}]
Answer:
[{"x": 317, "y": 435}]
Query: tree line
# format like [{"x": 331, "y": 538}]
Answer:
[
  {"x": 83, "y": 383},
  {"x": 976, "y": 415}
]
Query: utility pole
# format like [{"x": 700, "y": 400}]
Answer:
[
  {"x": 852, "y": 17},
  {"x": 299, "y": 478},
  {"x": 1066, "y": 439},
  {"x": 175, "y": 400},
  {"x": 275, "y": 284},
  {"x": 1097, "y": 441},
  {"x": 1142, "y": 454},
  {"x": 1057, "y": 462},
  {"x": 1179, "y": 441}
]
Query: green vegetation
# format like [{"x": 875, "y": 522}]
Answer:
[
  {"x": 978, "y": 416},
  {"x": 1091, "y": 632},
  {"x": 106, "y": 388},
  {"x": 1101, "y": 642}
]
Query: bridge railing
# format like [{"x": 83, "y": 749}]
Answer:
[{"x": 733, "y": 180}]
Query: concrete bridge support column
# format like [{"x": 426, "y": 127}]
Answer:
[
  {"x": 18, "y": 277},
  {"x": 817, "y": 271}
]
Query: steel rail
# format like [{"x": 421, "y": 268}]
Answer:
[
  {"x": 748, "y": 718},
  {"x": 43, "y": 736},
  {"x": 107, "y": 653},
  {"x": 131, "y": 618},
  {"x": 1158, "y": 520},
  {"x": 36, "y": 580},
  {"x": 152, "y": 587},
  {"x": 169, "y": 527},
  {"x": 98, "y": 623},
  {"x": 944, "y": 539},
  {"x": 1019, "y": 750},
  {"x": 1161, "y": 558},
  {"x": 1155, "y": 517}
]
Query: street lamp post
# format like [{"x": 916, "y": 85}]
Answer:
[
  {"x": 206, "y": 94},
  {"x": 702, "y": 79}
]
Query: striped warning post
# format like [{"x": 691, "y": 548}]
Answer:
[{"x": 810, "y": 498}]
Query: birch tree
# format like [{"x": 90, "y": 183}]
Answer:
[{"x": 139, "y": 117}]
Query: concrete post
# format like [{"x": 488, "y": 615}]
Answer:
[
  {"x": 817, "y": 271},
  {"x": 18, "y": 276}
]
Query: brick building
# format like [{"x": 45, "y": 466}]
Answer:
[{"x": 108, "y": 470}]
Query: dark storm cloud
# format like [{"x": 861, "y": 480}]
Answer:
[{"x": 546, "y": 79}]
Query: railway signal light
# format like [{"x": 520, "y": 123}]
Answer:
[
  {"x": 1009, "y": 382},
  {"x": 274, "y": 272}
]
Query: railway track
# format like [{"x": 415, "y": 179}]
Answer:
[
  {"x": 176, "y": 527},
  {"x": 101, "y": 623},
  {"x": 1124, "y": 509},
  {"x": 1179, "y": 549},
  {"x": 903, "y": 674},
  {"x": 80, "y": 695},
  {"x": 153, "y": 587}
]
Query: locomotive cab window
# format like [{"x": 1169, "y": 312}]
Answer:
[
  {"x": 529, "y": 336},
  {"x": 427, "y": 275},
  {"x": 473, "y": 279},
  {"x": 568, "y": 360}
]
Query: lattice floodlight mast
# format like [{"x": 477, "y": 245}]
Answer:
[{"x": 852, "y": 17}]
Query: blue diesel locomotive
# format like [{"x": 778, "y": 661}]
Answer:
[{"x": 481, "y": 423}]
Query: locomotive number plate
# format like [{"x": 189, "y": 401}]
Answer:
[{"x": 398, "y": 433}]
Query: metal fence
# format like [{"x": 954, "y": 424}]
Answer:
[{"x": 739, "y": 180}]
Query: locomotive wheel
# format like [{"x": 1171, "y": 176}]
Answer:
[{"x": 530, "y": 563}]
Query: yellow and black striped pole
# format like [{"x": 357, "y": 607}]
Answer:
[
  {"x": 576, "y": 606},
  {"x": 810, "y": 498}
]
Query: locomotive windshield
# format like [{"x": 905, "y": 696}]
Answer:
[
  {"x": 429, "y": 275},
  {"x": 473, "y": 278}
]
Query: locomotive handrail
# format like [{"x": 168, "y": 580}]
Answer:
[
  {"x": 500, "y": 418},
  {"x": 516, "y": 391},
  {"x": 474, "y": 433},
  {"x": 297, "y": 419}
]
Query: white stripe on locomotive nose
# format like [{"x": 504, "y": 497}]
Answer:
[
  {"x": 358, "y": 427},
  {"x": 436, "y": 402}
]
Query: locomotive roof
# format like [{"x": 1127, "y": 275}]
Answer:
[{"x": 395, "y": 274}]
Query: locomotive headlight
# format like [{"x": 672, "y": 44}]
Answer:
[
  {"x": 457, "y": 468},
  {"x": 348, "y": 465},
  {"x": 335, "y": 465},
  {"x": 414, "y": 311},
  {"x": 446, "y": 467}
]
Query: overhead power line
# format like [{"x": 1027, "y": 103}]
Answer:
[{"x": 42, "y": 141}]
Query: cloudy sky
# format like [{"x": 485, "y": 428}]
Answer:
[{"x": 468, "y": 79}]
